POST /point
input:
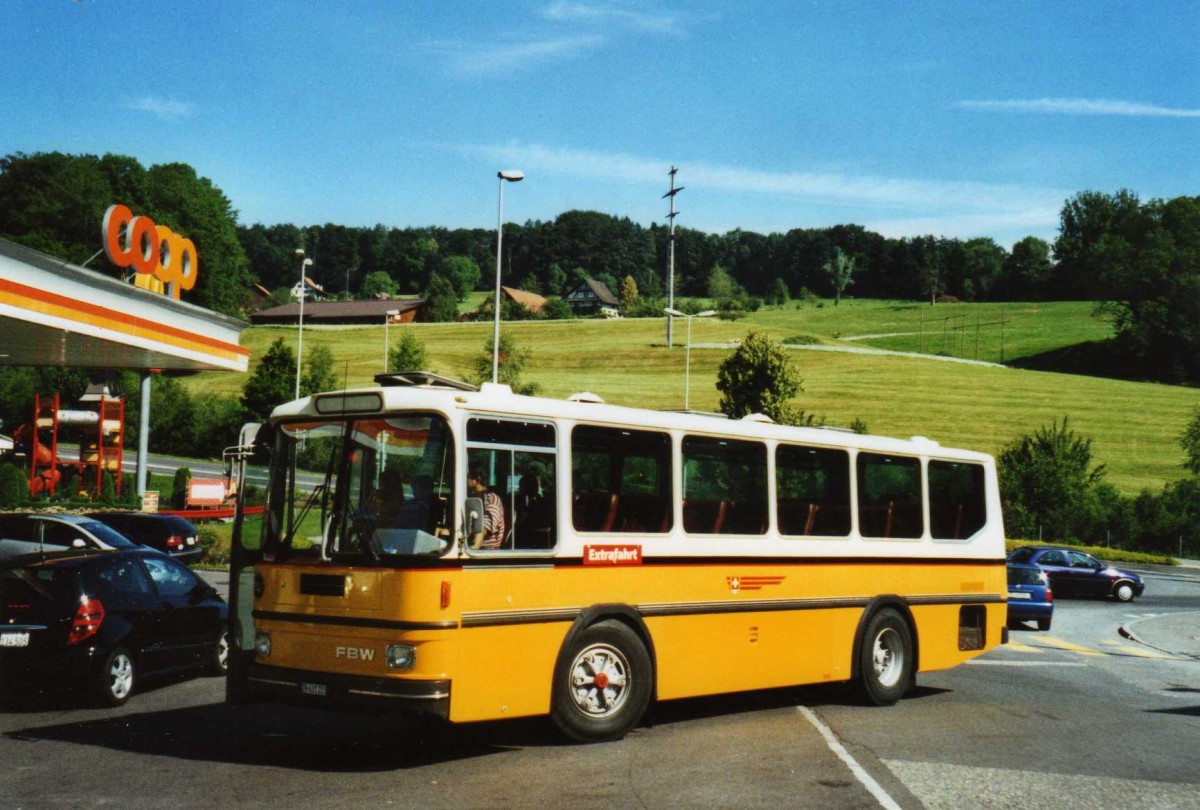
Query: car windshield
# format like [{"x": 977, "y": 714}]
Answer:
[
  {"x": 377, "y": 486},
  {"x": 105, "y": 535}
]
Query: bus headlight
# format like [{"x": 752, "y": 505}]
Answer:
[
  {"x": 401, "y": 656},
  {"x": 262, "y": 644}
]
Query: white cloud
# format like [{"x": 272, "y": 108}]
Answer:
[
  {"x": 1036, "y": 220},
  {"x": 1082, "y": 106},
  {"x": 472, "y": 59},
  {"x": 168, "y": 109},
  {"x": 920, "y": 196},
  {"x": 610, "y": 15}
]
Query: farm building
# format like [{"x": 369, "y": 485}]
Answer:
[
  {"x": 590, "y": 296},
  {"x": 342, "y": 312},
  {"x": 530, "y": 300}
]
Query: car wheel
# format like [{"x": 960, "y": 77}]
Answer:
[
  {"x": 602, "y": 683},
  {"x": 115, "y": 682},
  {"x": 1123, "y": 592},
  {"x": 1043, "y": 624},
  {"x": 218, "y": 657},
  {"x": 885, "y": 659}
]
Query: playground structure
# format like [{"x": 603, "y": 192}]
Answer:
[{"x": 97, "y": 425}]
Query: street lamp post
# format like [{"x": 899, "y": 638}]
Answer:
[
  {"x": 387, "y": 319},
  {"x": 511, "y": 176},
  {"x": 687, "y": 363},
  {"x": 304, "y": 265}
]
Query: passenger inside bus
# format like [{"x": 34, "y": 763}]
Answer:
[
  {"x": 532, "y": 522},
  {"x": 494, "y": 529}
]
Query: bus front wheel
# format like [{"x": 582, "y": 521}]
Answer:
[
  {"x": 602, "y": 684},
  {"x": 885, "y": 658}
]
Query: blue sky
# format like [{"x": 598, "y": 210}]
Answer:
[{"x": 960, "y": 119}]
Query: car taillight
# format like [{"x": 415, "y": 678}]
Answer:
[
  {"x": 87, "y": 621},
  {"x": 1049, "y": 595},
  {"x": 174, "y": 541}
]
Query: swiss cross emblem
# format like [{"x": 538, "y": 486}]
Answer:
[{"x": 739, "y": 584}]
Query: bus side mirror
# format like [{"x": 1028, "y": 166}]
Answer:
[{"x": 473, "y": 509}]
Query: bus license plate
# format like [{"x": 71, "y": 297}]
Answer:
[
  {"x": 14, "y": 639},
  {"x": 317, "y": 689}
]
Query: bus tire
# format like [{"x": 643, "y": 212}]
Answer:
[
  {"x": 885, "y": 658},
  {"x": 602, "y": 683},
  {"x": 218, "y": 655}
]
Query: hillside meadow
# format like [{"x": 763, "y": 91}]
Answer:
[{"x": 1135, "y": 426}]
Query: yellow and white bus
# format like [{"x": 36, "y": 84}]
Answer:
[{"x": 627, "y": 556}]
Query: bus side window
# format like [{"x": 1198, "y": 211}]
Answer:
[
  {"x": 517, "y": 462},
  {"x": 724, "y": 486},
  {"x": 957, "y": 507},
  {"x": 889, "y": 496},
  {"x": 813, "y": 491},
  {"x": 620, "y": 480}
]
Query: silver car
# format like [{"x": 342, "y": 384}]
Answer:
[{"x": 41, "y": 532}]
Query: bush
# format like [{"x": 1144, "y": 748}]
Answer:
[
  {"x": 179, "y": 487},
  {"x": 108, "y": 489},
  {"x": 1103, "y": 553},
  {"x": 14, "y": 488},
  {"x": 214, "y": 546}
]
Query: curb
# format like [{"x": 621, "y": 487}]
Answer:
[{"x": 1126, "y": 630}]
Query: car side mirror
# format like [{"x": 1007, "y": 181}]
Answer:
[
  {"x": 78, "y": 542},
  {"x": 473, "y": 512}
]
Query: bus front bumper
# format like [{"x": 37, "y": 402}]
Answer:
[{"x": 328, "y": 690}]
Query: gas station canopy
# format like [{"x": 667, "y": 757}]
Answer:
[{"x": 56, "y": 313}]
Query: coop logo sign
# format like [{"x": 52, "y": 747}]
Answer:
[{"x": 164, "y": 260}]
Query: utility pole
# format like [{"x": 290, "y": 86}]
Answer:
[{"x": 671, "y": 257}]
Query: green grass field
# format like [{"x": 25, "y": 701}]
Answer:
[{"x": 1135, "y": 426}]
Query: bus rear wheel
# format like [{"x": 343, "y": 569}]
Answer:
[
  {"x": 885, "y": 658},
  {"x": 602, "y": 684}
]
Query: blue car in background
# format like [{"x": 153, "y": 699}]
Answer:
[
  {"x": 1074, "y": 573},
  {"x": 1029, "y": 596}
]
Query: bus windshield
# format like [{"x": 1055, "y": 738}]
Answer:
[{"x": 379, "y": 487}]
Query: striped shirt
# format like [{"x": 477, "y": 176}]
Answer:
[{"x": 493, "y": 521}]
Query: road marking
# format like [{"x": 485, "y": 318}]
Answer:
[
  {"x": 1069, "y": 646},
  {"x": 835, "y": 745},
  {"x": 1017, "y": 646},
  {"x": 1139, "y": 652}
]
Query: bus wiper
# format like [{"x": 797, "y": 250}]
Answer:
[{"x": 308, "y": 504}]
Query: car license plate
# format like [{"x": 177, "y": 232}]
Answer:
[
  {"x": 14, "y": 639},
  {"x": 318, "y": 689},
  {"x": 1019, "y": 595}
]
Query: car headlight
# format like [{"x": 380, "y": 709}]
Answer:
[
  {"x": 262, "y": 644},
  {"x": 401, "y": 656}
]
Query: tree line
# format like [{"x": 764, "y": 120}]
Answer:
[{"x": 1141, "y": 260}]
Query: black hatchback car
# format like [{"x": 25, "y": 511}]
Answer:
[
  {"x": 1074, "y": 573},
  {"x": 103, "y": 620},
  {"x": 170, "y": 534}
]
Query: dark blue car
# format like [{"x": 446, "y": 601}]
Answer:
[
  {"x": 1029, "y": 596},
  {"x": 1073, "y": 573}
]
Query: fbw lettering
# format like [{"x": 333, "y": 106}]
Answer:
[{"x": 354, "y": 653}]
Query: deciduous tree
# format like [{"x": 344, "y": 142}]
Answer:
[
  {"x": 271, "y": 383},
  {"x": 759, "y": 377}
]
